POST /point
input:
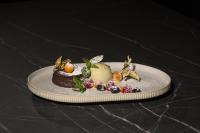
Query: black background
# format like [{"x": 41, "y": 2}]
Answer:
[{"x": 162, "y": 34}]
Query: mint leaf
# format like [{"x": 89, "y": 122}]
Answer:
[
  {"x": 88, "y": 65},
  {"x": 76, "y": 80},
  {"x": 78, "y": 84},
  {"x": 94, "y": 66},
  {"x": 87, "y": 62},
  {"x": 76, "y": 89}
]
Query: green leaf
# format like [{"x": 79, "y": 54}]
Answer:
[
  {"x": 85, "y": 60},
  {"x": 94, "y": 66},
  {"x": 88, "y": 63},
  {"x": 78, "y": 84},
  {"x": 76, "y": 89},
  {"x": 75, "y": 80}
]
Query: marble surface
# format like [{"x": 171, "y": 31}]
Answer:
[{"x": 34, "y": 33}]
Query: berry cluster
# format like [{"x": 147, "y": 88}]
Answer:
[{"x": 110, "y": 86}]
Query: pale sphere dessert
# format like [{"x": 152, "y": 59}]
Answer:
[{"x": 101, "y": 74}]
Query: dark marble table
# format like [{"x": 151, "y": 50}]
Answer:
[{"x": 33, "y": 34}]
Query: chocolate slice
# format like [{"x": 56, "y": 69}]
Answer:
[{"x": 62, "y": 80}]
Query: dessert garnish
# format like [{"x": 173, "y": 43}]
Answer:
[
  {"x": 101, "y": 87},
  {"x": 96, "y": 75},
  {"x": 117, "y": 76},
  {"x": 96, "y": 59},
  {"x": 64, "y": 65},
  {"x": 86, "y": 72},
  {"x": 78, "y": 85},
  {"x": 64, "y": 71},
  {"x": 128, "y": 71}
]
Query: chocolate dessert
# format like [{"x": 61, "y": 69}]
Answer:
[
  {"x": 62, "y": 80},
  {"x": 64, "y": 71}
]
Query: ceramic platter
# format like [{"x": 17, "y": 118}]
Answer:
[{"x": 154, "y": 83}]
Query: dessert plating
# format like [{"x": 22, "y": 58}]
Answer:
[{"x": 95, "y": 75}]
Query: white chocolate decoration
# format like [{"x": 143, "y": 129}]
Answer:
[{"x": 96, "y": 59}]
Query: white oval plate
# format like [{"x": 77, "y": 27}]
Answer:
[{"x": 154, "y": 83}]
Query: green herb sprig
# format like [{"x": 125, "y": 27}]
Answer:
[
  {"x": 78, "y": 85},
  {"x": 89, "y": 64}
]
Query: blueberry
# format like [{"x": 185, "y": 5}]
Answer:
[
  {"x": 101, "y": 88},
  {"x": 115, "y": 89},
  {"x": 136, "y": 90}
]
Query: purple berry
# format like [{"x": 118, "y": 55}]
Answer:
[
  {"x": 109, "y": 84},
  {"x": 126, "y": 89},
  {"x": 88, "y": 83}
]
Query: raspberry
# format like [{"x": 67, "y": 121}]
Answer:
[{"x": 88, "y": 83}]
